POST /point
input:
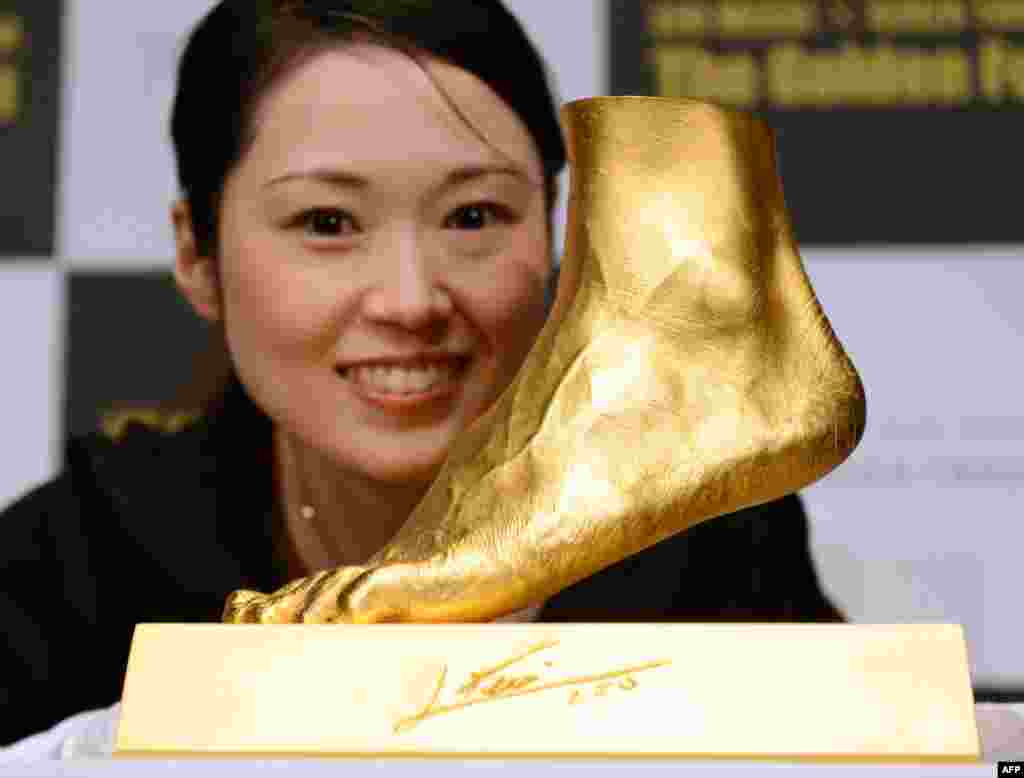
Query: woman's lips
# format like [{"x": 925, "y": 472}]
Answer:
[{"x": 407, "y": 385}]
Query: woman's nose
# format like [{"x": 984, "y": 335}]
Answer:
[{"x": 409, "y": 292}]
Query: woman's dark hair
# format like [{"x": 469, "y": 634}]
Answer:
[{"x": 242, "y": 47}]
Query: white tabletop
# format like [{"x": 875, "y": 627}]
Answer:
[
  {"x": 443, "y": 768},
  {"x": 80, "y": 746}
]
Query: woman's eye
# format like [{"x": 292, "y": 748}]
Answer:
[
  {"x": 477, "y": 216},
  {"x": 327, "y": 222}
]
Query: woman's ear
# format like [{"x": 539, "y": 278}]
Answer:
[{"x": 195, "y": 274}]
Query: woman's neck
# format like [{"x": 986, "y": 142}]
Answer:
[{"x": 351, "y": 519}]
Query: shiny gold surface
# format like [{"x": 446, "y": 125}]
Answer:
[
  {"x": 740, "y": 691},
  {"x": 686, "y": 371}
]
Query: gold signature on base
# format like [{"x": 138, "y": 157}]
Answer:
[{"x": 476, "y": 692}]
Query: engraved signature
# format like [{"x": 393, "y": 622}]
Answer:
[{"x": 489, "y": 685}]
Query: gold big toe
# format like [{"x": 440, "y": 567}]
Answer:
[{"x": 686, "y": 371}]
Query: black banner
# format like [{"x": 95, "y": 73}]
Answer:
[
  {"x": 30, "y": 64},
  {"x": 99, "y": 345},
  {"x": 898, "y": 121}
]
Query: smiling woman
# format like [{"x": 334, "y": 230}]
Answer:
[
  {"x": 374, "y": 303},
  {"x": 378, "y": 250},
  {"x": 366, "y": 209}
]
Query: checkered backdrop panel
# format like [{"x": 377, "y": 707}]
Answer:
[{"x": 915, "y": 254}]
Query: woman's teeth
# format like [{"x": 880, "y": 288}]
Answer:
[{"x": 403, "y": 380}]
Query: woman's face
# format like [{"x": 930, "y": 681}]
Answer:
[{"x": 382, "y": 269}]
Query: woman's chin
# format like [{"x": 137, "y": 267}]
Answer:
[{"x": 403, "y": 469}]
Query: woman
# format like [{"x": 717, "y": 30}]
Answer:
[{"x": 366, "y": 217}]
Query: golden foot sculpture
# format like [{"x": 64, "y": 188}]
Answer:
[{"x": 686, "y": 371}]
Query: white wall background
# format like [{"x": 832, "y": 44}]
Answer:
[
  {"x": 923, "y": 524},
  {"x": 31, "y": 374}
]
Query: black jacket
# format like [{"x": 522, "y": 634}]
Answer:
[{"x": 161, "y": 527}]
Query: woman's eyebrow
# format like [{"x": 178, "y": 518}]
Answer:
[
  {"x": 469, "y": 173},
  {"x": 331, "y": 176},
  {"x": 457, "y": 177},
  {"x": 473, "y": 172}
]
